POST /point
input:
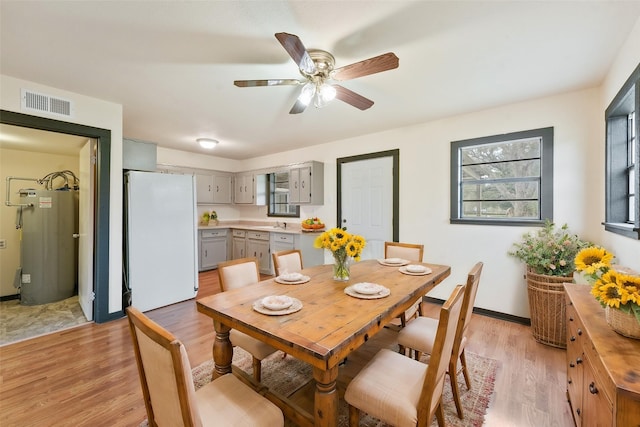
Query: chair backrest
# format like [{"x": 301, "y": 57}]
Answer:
[
  {"x": 443, "y": 344},
  {"x": 165, "y": 373},
  {"x": 408, "y": 251},
  {"x": 289, "y": 261},
  {"x": 473, "y": 280},
  {"x": 238, "y": 273}
]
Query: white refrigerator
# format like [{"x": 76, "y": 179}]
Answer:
[{"x": 161, "y": 262}]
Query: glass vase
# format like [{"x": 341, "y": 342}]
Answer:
[{"x": 341, "y": 264}]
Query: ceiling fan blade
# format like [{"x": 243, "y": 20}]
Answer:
[
  {"x": 270, "y": 82},
  {"x": 352, "y": 98},
  {"x": 377, "y": 64},
  {"x": 298, "y": 107},
  {"x": 296, "y": 50}
]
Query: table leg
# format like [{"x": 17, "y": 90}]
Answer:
[
  {"x": 326, "y": 397},
  {"x": 222, "y": 350}
]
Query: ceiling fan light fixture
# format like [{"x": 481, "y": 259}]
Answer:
[
  {"x": 307, "y": 93},
  {"x": 207, "y": 143}
]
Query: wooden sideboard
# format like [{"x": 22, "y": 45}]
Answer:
[{"x": 603, "y": 367}]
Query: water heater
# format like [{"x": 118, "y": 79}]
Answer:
[{"x": 48, "y": 247}]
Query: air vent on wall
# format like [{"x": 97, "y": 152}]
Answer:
[{"x": 47, "y": 104}]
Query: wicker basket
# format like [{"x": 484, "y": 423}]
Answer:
[
  {"x": 623, "y": 323},
  {"x": 547, "y": 307}
]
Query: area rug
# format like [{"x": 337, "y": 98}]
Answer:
[{"x": 287, "y": 375}]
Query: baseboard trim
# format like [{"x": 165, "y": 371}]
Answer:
[
  {"x": 489, "y": 313},
  {"x": 10, "y": 297}
]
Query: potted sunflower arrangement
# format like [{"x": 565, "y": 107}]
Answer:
[
  {"x": 549, "y": 255},
  {"x": 616, "y": 288},
  {"x": 344, "y": 247}
]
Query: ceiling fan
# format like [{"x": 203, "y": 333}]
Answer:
[{"x": 317, "y": 68}]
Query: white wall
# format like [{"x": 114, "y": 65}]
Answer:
[
  {"x": 89, "y": 112},
  {"x": 424, "y": 187},
  {"x": 627, "y": 251}
]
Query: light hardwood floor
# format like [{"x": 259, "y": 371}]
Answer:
[{"x": 87, "y": 376}]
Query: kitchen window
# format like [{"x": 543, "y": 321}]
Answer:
[
  {"x": 622, "y": 204},
  {"x": 279, "y": 196},
  {"x": 503, "y": 179}
]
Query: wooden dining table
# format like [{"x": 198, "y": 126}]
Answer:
[{"x": 330, "y": 325}]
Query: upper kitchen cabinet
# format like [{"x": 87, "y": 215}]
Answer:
[
  {"x": 243, "y": 189},
  {"x": 250, "y": 189},
  {"x": 213, "y": 189},
  {"x": 307, "y": 183}
]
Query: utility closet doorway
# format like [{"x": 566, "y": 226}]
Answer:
[{"x": 92, "y": 148}]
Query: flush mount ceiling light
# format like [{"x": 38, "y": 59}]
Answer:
[{"x": 207, "y": 143}]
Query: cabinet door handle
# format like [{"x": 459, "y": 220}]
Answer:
[
  {"x": 571, "y": 365},
  {"x": 570, "y": 381},
  {"x": 592, "y": 388},
  {"x": 579, "y": 360},
  {"x": 572, "y": 338},
  {"x": 205, "y": 253},
  {"x": 578, "y": 411},
  {"x": 570, "y": 319},
  {"x": 579, "y": 331}
]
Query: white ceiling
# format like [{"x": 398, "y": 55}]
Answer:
[{"x": 171, "y": 64}]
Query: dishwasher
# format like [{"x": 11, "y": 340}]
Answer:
[{"x": 213, "y": 248}]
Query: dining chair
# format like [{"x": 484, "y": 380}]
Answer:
[
  {"x": 419, "y": 336},
  {"x": 410, "y": 252},
  {"x": 169, "y": 394},
  {"x": 289, "y": 261},
  {"x": 236, "y": 274},
  {"x": 401, "y": 391}
]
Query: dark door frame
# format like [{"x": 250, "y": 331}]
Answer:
[
  {"x": 395, "y": 154},
  {"x": 101, "y": 201}
]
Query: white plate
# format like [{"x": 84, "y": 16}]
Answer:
[
  {"x": 367, "y": 288},
  {"x": 277, "y": 302},
  {"x": 303, "y": 279},
  {"x": 404, "y": 270},
  {"x": 290, "y": 277},
  {"x": 385, "y": 292},
  {"x": 395, "y": 263},
  {"x": 295, "y": 306},
  {"x": 393, "y": 260},
  {"x": 413, "y": 268}
]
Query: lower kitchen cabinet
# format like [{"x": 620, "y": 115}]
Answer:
[
  {"x": 239, "y": 243},
  {"x": 213, "y": 248},
  {"x": 258, "y": 247},
  {"x": 603, "y": 367}
]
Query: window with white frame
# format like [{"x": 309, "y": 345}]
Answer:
[
  {"x": 503, "y": 179},
  {"x": 622, "y": 200}
]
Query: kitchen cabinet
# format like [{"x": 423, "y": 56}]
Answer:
[
  {"x": 307, "y": 183},
  {"x": 239, "y": 243},
  {"x": 603, "y": 367},
  {"x": 303, "y": 241},
  {"x": 244, "y": 189},
  {"x": 213, "y": 189},
  {"x": 258, "y": 246},
  {"x": 213, "y": 248}
]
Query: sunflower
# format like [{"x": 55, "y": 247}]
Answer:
[
  {"x": 341, "y": 243},
  {"x": 593, "y": 259}
]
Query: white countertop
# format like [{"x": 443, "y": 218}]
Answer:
[{"x": 291, "y": 228}]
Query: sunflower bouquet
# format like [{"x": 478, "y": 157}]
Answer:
[
  {"x": 343, "y": 246},
  {"x": 620, "y": 291}
]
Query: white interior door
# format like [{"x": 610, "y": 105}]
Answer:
[
  {"x": 367, "y": 202},
  {"x": 85, "y": 229}
]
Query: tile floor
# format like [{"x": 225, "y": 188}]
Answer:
[{"x": 19, "y": 322}]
